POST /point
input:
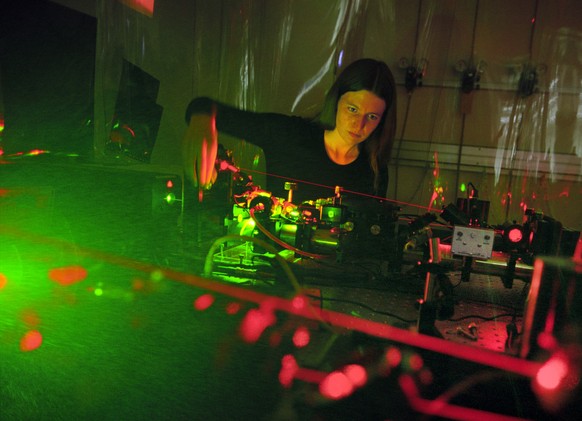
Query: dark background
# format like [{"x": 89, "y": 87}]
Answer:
[{"x": 48, "y": 58}]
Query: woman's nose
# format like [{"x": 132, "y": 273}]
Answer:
[{"x": 359, "y": 123}]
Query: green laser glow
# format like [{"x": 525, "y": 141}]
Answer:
[{"x": 170, "y": 198}]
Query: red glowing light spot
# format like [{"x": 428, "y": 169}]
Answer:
[
  {"x": 138, "y": 284},
  {"x": 393, "y": 357},
  {"x": 233, "y": 308},
  {"x": 169, "y": 184},
  {"x": 564, "y": 193},
  {"x": 145, "y": 286},
  {"x": 254, "y": 324},
  {"x": 129, "y": 129},
  {"x": 357, "y": 374},
  {"x": 515, "y": 235},
  {"x": 301, "y": 337},
  {"x": 415, "y": 362},
  {"x": 31, "y": 341},
  {"x": 145, "y": 7},
  {"x": 299, "y": 302},
  {"x": 551, "y": 374},
  {"x": 547, "y": 340},
  {"x": 68, "y": 275},
  {"x": 203, "y": 302},
  {"x": 336, "y": 385},
  {"x": 425, "y": 376},
  {"x": 289, "y": 368},
  {"x": 3, "y": 280}
]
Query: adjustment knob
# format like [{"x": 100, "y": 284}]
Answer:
[{"x": 290, "y": 187}]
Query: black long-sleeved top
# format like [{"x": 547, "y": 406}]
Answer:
[{"x": 294, "y": 149}]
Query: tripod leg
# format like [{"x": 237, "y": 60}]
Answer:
[
  {"x": 466, "y": 272},
  {"x": 427, "y": 310}
]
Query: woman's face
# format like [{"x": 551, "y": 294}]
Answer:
[{"x": 358, "y": 115}]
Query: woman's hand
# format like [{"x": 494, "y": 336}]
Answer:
[{"x": 200, "y": 147}]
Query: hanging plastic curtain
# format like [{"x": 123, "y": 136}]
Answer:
[{"x": 489, "y": 90}]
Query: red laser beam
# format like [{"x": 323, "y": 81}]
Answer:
[
  {"x": 332, "y": 188},
  {"x": 269, "y": 304}
]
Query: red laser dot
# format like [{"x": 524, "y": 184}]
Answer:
[
  {"x": 31, "y": 341},
  {"x": 68, "y": 275},
  {"x": 515, "y": 235},
  {"x": 551, "y": 374},
  {"x": 254, "y": 324},
  {"x": 299, "y": 302},
  {"x": 289, "y": 368},
  {"x": 357, "y": 374},
  {"x": 301, "y": 337},
  {"x": 336, "y": 385},
  {"x": 203, "y": 302},
  {"x": 547, "y": 341},
  {"x": 138, "y": 284},
  {"x": 415, "y": 362},
  {"x": 393, "y": 357},
  {"x": 233, "y": 308},
  {"x": 3, "y": 280},
  {"x": 425, "y": 376}
]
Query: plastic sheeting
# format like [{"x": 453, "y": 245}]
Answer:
[{"x": 490, "y": 91}]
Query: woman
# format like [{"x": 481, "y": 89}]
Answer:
[{"x": 347, "y": 145}]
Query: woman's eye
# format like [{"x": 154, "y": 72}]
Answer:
[
  {"x": 352, "y": 109},
  {"x": 373, "y": 117}
]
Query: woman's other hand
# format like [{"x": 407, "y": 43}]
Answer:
[{"x": 200, "y": 145}]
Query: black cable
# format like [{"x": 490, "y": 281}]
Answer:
[
  {"x": 487, "y": 319},
  {"x": 356, "y": 303}
]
